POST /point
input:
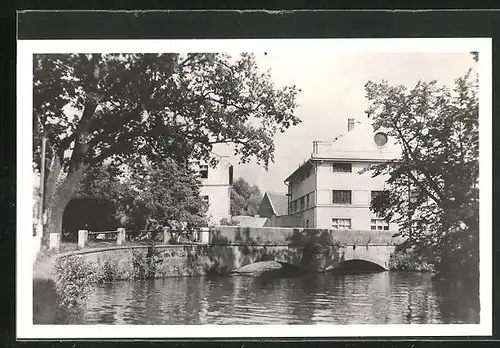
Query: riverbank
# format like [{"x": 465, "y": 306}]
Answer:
[{"x": 43, "y": 267}]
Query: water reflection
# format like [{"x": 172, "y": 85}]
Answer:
[{"x": 380, "y": 298}]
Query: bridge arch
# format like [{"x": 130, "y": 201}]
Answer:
[
  {"x": 377, "y": 254},
  {"x": 357, "y": 266}
]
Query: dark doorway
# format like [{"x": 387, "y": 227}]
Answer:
[{"x": 93, "y": 214}]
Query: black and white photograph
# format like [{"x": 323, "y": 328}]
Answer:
[{"x": 207, "y": 188}]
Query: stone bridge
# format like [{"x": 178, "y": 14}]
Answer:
[
  {"x": 230, "y": 248},
  {"x": 314, "y": 250}
]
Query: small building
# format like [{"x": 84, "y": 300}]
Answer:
[
  {"x": 274, "y": 207},
  {"x": 273, "y": 204},
  {"x": 215, "y": 187},
  {"x": 332, "y": 190}
]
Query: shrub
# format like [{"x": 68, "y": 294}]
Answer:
[
  {"x": 409, "y": 259},
  {"x": 74, "y": 278},
  {"x": 228, "y": 222},
  {"x": 152, "y": 262},
  {"x": 108, "y": 272},
  {"x": 138, "y": 266},
  {"x": 145, "y": 267}
]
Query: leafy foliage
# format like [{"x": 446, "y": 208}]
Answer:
[
  {"x": 475, "y": 56},
  {"x": 432, "y": 190},
  {"x": 411, "y": 258},
  {"x": 121, "y": 108},
  {"x": 245, "y": 199},
  {"x": 75, "y": 277},
  {"x": 228, "y": 222},
  {"x": 160, "y": 192},
  {"x": 158, "y": 105}
]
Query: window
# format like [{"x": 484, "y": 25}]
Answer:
[
  {"x": 206, "y": 199},
  {"x": 341, "y": 197},
  {"x": 341, "y": 224},
  {"x": 307, "y": 223},
  {"x": 379, "y": 225},
  {"x": 380, "y": 139},
  {"x": 342, "y": 167},
  {"x": 294, "y": 206},
  {"x": 307, "y": 201},
  {"x": 204, "y": 171},
  {"x": 230, "y": 175},
  {"x": 302, "y": 203}
]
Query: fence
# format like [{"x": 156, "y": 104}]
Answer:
[{"x": 121, "y": 235}]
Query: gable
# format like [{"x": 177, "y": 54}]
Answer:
[
  {"x": 265, "y": 208},
  {"x": 273, "y": 204}
]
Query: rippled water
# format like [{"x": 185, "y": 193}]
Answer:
[{"x": 381, "y": 298}]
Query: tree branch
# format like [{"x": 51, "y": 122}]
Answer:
[{"x": 426, "y": 174}]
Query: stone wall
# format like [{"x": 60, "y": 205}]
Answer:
[
  {"x": 298, "y": 236},
  {"x": 168, "y": 260}
]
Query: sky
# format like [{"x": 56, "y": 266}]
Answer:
[{"x": 332, "y": 87}]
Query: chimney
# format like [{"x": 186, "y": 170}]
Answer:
[{"x": 350, "y": 124}]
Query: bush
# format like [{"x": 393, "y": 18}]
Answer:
[
  {"x": 75, "y": 277},
  {"x": 145, "y": 267},
  {"x": 408, "y": 259},
  {"x": 228, "y": 222},
  {"x": 138, "y": 266},
  {"x": 108, "y": 272}
]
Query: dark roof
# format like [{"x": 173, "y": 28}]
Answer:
[
  {"x": 279, "y": 202},
  {"x": 306, "y": 163}
]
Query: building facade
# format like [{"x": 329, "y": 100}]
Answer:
[
  {"x": 330, "y": 189},
  {"x": 215, "y": 187}
]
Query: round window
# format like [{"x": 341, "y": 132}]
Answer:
[{"x": 380, "y": 139}]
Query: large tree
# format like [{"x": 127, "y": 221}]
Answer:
[
  {"x": 245, "y": 198},
  {"x": 119, "y": 107},
  {"x": 159, "y": 191},
  {"x": 431, "y": 189}
]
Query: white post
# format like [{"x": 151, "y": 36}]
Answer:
[
  {"x": 120, "y": 237},
  {"x": 54, "y": 241},
  {"x": 166, "y": 235},
  {"x": 205, "y": 235},
  {"x": 82, "y": 238}
]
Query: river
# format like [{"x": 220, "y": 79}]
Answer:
[{"x": 377, "y": 298}]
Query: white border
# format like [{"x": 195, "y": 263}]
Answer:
[{"x": 25, "y": 49}]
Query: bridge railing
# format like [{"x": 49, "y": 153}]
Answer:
[{"x": 121, "y": 235}]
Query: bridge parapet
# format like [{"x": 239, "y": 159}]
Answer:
[{"x": 235, "y": 235}]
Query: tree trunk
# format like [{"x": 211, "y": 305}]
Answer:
[
  {"x": 54, "y": 221},
  {"x": 59, "y": 194}
]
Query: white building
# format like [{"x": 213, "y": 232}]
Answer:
[
  {"x": 215, "y": 187},
  {"x": 328, "y": 191}
]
